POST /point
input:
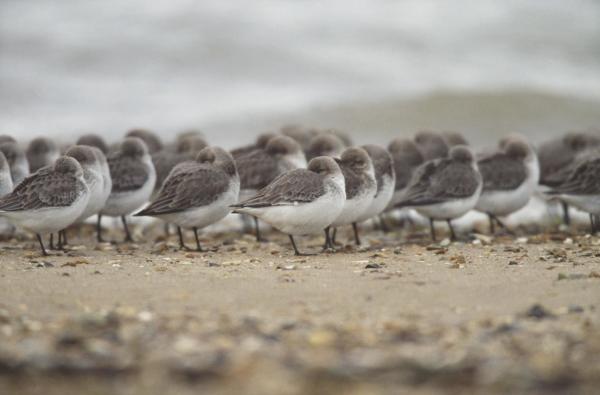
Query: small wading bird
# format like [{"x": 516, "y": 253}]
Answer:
[
  {"x": 301, "y": 201},
  {"x": 197, "y": 193},
  {"x": 49, "y": 200}
]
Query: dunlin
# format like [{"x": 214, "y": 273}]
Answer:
[
  {"x": 49, "y": 200},
  {"x": 385, "y": 178},
  {"x": 509, "y": 180},
  {"x": 259, "y": 167},
  {"x": 446, "y": 188},
  {"x": 133, "y": 178},
  {"x": 197, "y": 194},
  {"x": 301, "y": 201},
  {"x": 406, "y": 158},
  {"x": 361, "y": 187},
  {"x": 557, "y": 159},
  {"x": 582, "y": 187}
]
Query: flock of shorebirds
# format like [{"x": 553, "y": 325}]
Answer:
[{"x": 300, "y": 181}]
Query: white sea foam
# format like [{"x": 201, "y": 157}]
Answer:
[{"x": 68, "y": 65}]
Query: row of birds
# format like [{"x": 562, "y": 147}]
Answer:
[{"x": 300, "y": 181}]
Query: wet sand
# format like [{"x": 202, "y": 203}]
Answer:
[{"x": 490, "y": 316}]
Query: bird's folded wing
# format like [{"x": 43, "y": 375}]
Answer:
[
  {"x": 501, "y": 173},
  {"x": 293, "y": 187},
  {"x": 43, "y": 189},
  {"x": 127, "y": 174}
]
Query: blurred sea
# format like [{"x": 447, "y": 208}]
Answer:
[{"x": 233, "y": 69}]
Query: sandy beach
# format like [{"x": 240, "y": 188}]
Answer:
[{"x": 508, "y": 315}]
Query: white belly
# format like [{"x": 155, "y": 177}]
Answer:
[
  {"x": 450, "y": 209},
  {"x": 200, "y": 217},
  {"x": 501, "y": 203},
  {"x": 354, "y": 208},
  {"x": 303, "y": 218},
  {"x": 97, "y": 196},
  {"x": 48, "y": 220},
  {"x": 124, "y": 203},
  {"x": 587, "y": 203},
  {"x": 381, "y": 201}
]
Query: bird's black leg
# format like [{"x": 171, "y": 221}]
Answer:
[
  {"x": 492, "y": 226},
  {"x": 328, "y": 244},
  {"x": 566, "y": 216},
  {"x": 356, "y": 237},
  {"x": 257, "y": 229},
  {"x": 41, "y": 244},
  {"x": 452, "y": 234},
  {"x": 333, "y": 235},
  {"x": 99, "y": 229},
  {"x": 62, "y": 239},
  {"x": 503, "y": 225},
  {"x": 59, "y": 244},
  {"x": 432, "y": 229},
  {"x": 127, "y": 234},
  {"x": 384, "y": 226},
  {"x": 296, "y": 252},
  {"x": 181, "y": 242},
  {"x": 52, "y": 241},
  {"x": 198, "y": 246}
]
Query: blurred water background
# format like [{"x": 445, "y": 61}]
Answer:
[{"x": 232, "y": 69}]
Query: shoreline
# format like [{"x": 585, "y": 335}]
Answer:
[{"x": 147, "y": 318}]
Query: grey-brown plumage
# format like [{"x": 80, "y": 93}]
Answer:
[
  {"x": 583, "y": 180},
  {"x": 406, "y": 158},
  {"x": 260, "y": 143},
  {"x": 557, "y": 156},
  {"x": 295, "y": 186},
  {"x": 431, "y": 144},
  {"x": 504, "y": 170},
  {"x": 128, "y": 173},
  {"x": 41, "y": 152},
  {"x": 152, "y": 141},
  {"x": 355, "y": 180},
  {"x": 58, "y": 185},
  {"x": 4, "y": 138},
  {"x": 325, "y": 144},
  {"x": 382, "y": 163},
  {"x": 440, "y": 180},
  {"x": 17, "y": 160},
  {"x": 258, "y": 168},
  {"x": 186, "y": 148},
  {"x": 342, "y": 135},
  {"x": 93, "y": 140},
  {"x": 453, "y": 138},
  {"x": 298, "y": 133},
  {"x": 299, "y": 185},
  {"x": 194, "y": 184},
  {"x": 191, "y": 133}
]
